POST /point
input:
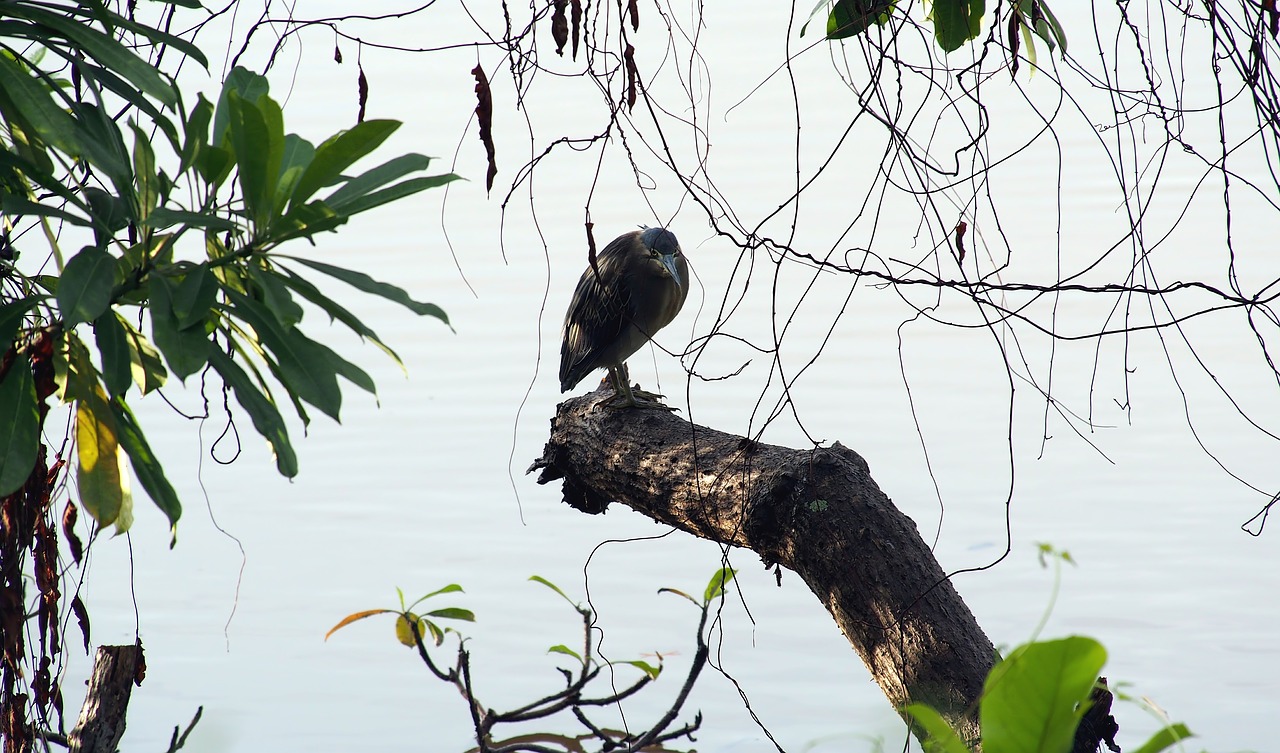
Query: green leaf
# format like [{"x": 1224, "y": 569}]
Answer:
[
  {"x": 956, "y": 22},
  {"x": 304, "y": 222},
  {"x": 103, "y": 144},
  {"x": 144, "y": 360},
  {"x": 359, "y": 204},
  {"x": 158, "y": 37},
  {"x": 19, "y": 426},
  {"x": 560, "y": 648},
  {"x": 164, "y": 217},
  {"x": 338, "y": 153},
  {"x": 1054, "y": 30},
  {"x": 257, "y": 139},
  {"x": 449, "y": 589},
  {"x": 336, "y": 312},
  {"x": 195, "y": 132},
  {"x": 214, "y": 164},
  {"x": 113, "y": 353},
  {"x": 819, "y": 6},
  {"x": 849, "y": 18},
  {"x": 37, "y": 173},
  {"x": 186, "y": 350},
  {"x": 432, "y": 629},
  {"x": 275, "y": 296},
  {"x": 1033, "y": 700},
  {"x": 453, "y": 613},
  {"x": 101, "y": 47},
  {"x": 645, "y": 667},
  {"x": 12, "y": 316},
  {"x": 389, "y": 171},
  {"x": 367, "y": 284},
  {"x": 193, "y": 296},
  {"x": 14, "y": 205},
  {"x": 941, "y": 737},
  {"x": 146, "y": 466},
  {"x": 347, "y": 370},
  {"x": 30, "y": 100},
  {"x": 305, "y": 369},
  {"x": 73, "y": 373},
  {"x": 715, "y": 586},
  {"x": 110, "y": 211},
  {"x": 106, "y": 79},
  {"x": 262, "y": 411},
  {"x": 102, "y": 490},
  {"x": 249, "y": 85},
  {"x": 298, "y": 153},
  {"x": 84, "y": 291},
  {"x": 1166, "y": 738},
  {"x": 553, "y": 587},
  {"x": 144, "y": 174}
]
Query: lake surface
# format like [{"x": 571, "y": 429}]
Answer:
[{"x": 425, "y": 486}]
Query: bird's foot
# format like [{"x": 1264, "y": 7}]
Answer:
[
  {"x": 637, "y": 399},
  {"x": 645, "y": 394}
]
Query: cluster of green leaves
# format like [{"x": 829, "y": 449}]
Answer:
[
  {"x": 407, "y": 618},
  {"x": 412, "y": 629},
  {"x": 115, "y": 160},
  {"x": 955, "y": 22},
  {"x": 1033, "y": 700}
]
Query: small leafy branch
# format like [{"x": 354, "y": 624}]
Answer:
[
  {"x": 955, "y": 22},
  {"x": 1044, "y": 697},
  {"x": 574, "y": 699},
  {"x": 175, "y": 240},
  {"x": 123, "y": 203}
]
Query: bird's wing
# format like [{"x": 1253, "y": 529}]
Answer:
[{"x": 596, "y": 317}]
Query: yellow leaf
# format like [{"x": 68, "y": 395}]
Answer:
[
  {"x": 354, "y": 617},
  {"x": 404, "y": 628},
  {"x": 124, "y": 521},
  {"x": 98, "y": 450}
]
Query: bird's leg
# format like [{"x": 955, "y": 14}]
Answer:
[{"x": 626, "y": 397}]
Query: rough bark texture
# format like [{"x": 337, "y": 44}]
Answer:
[
  {"x": 816, "y": 512},
  {"x": 115, "y": 671}
]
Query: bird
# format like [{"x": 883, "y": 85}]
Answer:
[{"x": 636, "y": 287}]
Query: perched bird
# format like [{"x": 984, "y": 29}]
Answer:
[{"x": 637, "y": 287}]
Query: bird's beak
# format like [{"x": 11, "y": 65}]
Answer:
[{"x": 669, "y": 261}]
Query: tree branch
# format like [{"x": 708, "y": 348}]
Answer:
[{"x": 816, "y": 512}]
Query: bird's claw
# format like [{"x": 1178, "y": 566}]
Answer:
[{"x": 638, "y": 399}]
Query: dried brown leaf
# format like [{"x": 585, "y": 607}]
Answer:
[
  {"x": 82, "y": 618},
  {"x": 577, "y": 25},
  {"x": 629, "y": 57},
  {"x": 484, "y": 114},
  {"x": 69, "y": 515},
  {"x": 560, "y": 26},
  {"x": 362, "y": 92}
]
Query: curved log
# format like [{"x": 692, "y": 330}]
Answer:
[{"x": 816, "y": 512}]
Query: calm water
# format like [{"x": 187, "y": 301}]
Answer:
[{"x": 428, "y": 488}]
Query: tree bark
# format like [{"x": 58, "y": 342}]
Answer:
[
  {"x": 816, "y": 512},
  {"x": 116, "y": 669}
]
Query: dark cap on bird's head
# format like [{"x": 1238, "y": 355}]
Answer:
[{"x": 660, "y": 239}]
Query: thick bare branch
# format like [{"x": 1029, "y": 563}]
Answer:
[{"x": 816, "y": 512}]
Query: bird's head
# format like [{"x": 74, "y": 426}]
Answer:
[{"x": 661, "y": 246}]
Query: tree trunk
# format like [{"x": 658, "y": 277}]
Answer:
[
  {"x": 816, "y": 512},
  {"x": 116, "y": 669}
]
